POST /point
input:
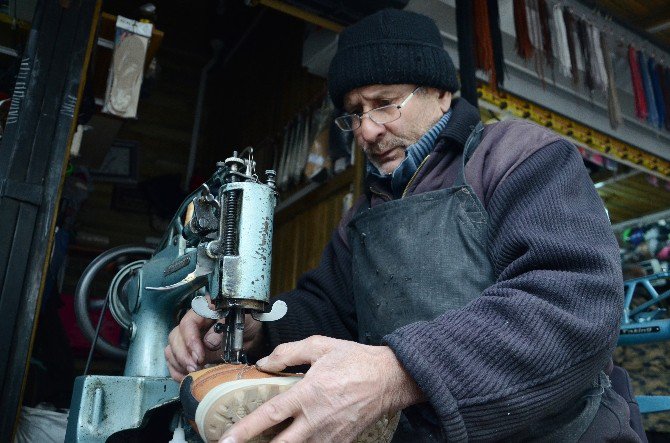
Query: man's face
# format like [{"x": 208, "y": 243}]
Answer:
[{"x": 385, "y": 145}]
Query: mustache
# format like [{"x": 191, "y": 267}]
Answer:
[{"x": 384, "y": 146}]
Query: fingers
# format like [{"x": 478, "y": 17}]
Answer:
[
  {"x": 299, "y": 430},
  {"x": 190, "y": 331},
  {"x": 185, "y": 351},
  {"x": 296, "y": 353},
  {"x": 175, "y": 372},
  {"x": 177, "y": 353},
  {"x": 212, "y": 339},
  {"x": 269, "y": 414}
]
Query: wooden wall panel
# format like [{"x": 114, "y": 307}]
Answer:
[
  {"x": 302, "y": 231},
  {"x": 634, "y": 197}
]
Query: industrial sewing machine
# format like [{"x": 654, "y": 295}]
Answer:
[{"x": 219, "y": 243}]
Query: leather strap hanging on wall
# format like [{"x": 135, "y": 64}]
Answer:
[
  {"x": 658, "y": 92},
  {"x": 572, "y": 44},
  {"x": 543, "y": 12},
  {"x": 483, "y": 44},
  {"x": 599, "y": 37},
  {"x": 664, "y": 73},
  {"x": 652, "y": 113},
  {"x": 636, "y": 80},
  {"x": 582, "y": 34},
  {"x": 524, "y": 47},
  {"x": 562, "y": 48},
  {"x": 613, "y": 106},
  {"x": 533, "y": 22},
  {"x": 597, "y": 61}
]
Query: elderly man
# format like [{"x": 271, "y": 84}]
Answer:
[{"x": 476, "y": 286}]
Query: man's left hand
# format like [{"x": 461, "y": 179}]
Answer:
[{"x": 348, "y": 387}]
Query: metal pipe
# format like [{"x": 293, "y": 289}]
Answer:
[
  {"x": 217, "y": 45},
  {"x": 617, "y": 178},
  {"x": 641, "y": 221}
]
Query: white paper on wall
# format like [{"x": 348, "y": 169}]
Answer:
[{"x": 127, "y": 68}]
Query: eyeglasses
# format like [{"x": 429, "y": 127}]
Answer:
[{"x": 381, "y": 115}]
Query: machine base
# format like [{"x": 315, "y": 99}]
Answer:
[{"x": 103, "y": 405}]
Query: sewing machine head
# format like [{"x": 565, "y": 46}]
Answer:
[{"x": 228, "y": 231}]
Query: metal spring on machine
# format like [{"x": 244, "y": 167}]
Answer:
[{"x": 231, "y": 223}]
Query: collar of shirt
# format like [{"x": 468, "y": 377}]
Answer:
[{"x": 414, "y": 155}]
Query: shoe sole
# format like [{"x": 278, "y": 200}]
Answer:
[{"x": 228, "y": 403}]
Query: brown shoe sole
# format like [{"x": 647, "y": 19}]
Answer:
[{"x": 226, "y": 404}]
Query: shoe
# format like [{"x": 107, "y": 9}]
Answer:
[{"x": 215, "y": 398}]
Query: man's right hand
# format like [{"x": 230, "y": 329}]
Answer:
[{"x": 193, "y": 343}]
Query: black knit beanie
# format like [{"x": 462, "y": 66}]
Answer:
[{"x": 390, "y": 47}]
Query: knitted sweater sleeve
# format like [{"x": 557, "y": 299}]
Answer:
[
  {"x": 534, "y": 340},
  {"x": 322, "y": 303}
]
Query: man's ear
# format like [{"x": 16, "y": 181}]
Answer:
[{"x": 444, "y": 99}]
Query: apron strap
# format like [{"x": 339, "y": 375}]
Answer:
[
  {"x": 571, "y": 424},
  {"x": 470, "y": 145},
  {"x": 574, "y": 430}
]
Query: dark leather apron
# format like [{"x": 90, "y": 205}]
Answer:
[{"x": 415, "y": 258}]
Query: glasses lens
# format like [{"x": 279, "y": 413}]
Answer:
[
  {"x": 347, "y": 122},
  {"x": 385, "y": 114}
]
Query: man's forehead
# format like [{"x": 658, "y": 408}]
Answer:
[{"x": 372, "y": 92}]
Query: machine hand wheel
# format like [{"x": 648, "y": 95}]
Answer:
[{"x": 83, "y": 303}]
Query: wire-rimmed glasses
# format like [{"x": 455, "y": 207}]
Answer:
[{"x": 381, "y": 115}]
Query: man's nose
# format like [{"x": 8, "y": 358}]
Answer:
[{"x": 370, "y": 131}]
